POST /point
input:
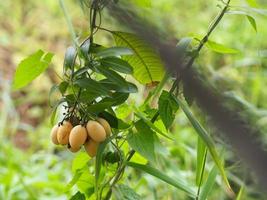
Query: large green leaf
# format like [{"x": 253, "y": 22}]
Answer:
[
  {"x": 162, "y": 176},
  {"x": 143, "y": 141},
  {"x": 31, "y": 67},
  {"x": 206, "y": 139},
  {"x": 146, "y": 63}
]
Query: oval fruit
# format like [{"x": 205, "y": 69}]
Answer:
[
  {"x": 91, "y": 147},
  {"x": 78, "y": 136},
  {"x": 53, "y": 135},
  {"x": 105, "y": 125},
  {"x": 74, "y": 150},
  {"x": 64, "y": 132},
  {"x": 96, "y": 131}
]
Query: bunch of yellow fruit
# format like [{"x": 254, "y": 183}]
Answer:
[{"x": 89, "y": 135}]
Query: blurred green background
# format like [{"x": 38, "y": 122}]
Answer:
[{"x": 32, "y": 168}]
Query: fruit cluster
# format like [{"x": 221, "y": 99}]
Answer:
[{"x": 88, "y": 135}]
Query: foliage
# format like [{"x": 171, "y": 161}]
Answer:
[{"x": 112, "y": 80}]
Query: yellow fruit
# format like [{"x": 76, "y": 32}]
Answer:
[
  {"x": 74, "y": 150},
  {"x": 91, "y": 147},
  {"x": 105, "y": 125},
  {"x": 53, "y": 135},
  {"x": 96, "y": 131},
  {"x": 78, "y": 136},
  {"x": 64, "y": 132}
]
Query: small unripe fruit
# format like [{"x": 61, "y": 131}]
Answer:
[
  {"x": 96, "y": 131},
  {"x": 78, "y": 136},
  {"x": 105, "y": 125},
  {"x": 64, "y": 132},
  {"x": 53, "y": 135},
  {"x": 91, "y": 147}
]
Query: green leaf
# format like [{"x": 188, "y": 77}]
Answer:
[
  {"x": 201, "y": 159},
  {"x": 116, "y": 98},
  {"x": 150, "y": 124},
  {"x": 92, "y": 86},
  {"x": 78, "y": 196},
  {"x": 63, "y": 87},
  {"x": 99, "y": 107},
  {"x": 167, "y": 108},
  {"x": 85, "y": 48},
  {"x": 206, "y": 139},
  {"x": 112, "y": 76},
  {"x": 114, "y": 52},
  {"x": 98, "y": 161},
  {"x": 220, "y": 48},
  {"x": 143, "y": 141},
  {"x": 123, "y": 192},
  {"x": 70, "y": 56},
  {"x": 252, "y": 3},
  {"x": 146, "y": 62},
  {"x": 80, "y": 160},
  {"x": 126, "y": 88},
  {"x": 113, "y": 121},
  {"x": 142, "y": 3},
  {"x": 117, "y": 64},
  {"x": 209, "y": 184},
  {"x": 252, "y": 21},
  {"x": 30, "y": 68},
  {"x": 162, "y": 176}
]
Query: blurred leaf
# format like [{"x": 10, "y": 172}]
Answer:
[
  {"x": 148, "y": 67},
  {"x": 207, "y": 187},
  {"x": 80, "y": 160},
  {"x": 70, "y": 56},
  {"x": 220, "y": 48},
  {"x": 252, "y": 3},
  {"x": 78, "y": 196},
  {"x": 114, "y": 51},
  {"x": 252, "y": 21},
  {"x": 123, "y": 192},
  {"x": 143, "y": 141},
  {"x": 142, "y": 3},
  {"x": 189, "y": 97},
  {"x": 63, "y": 87},
  {"x": 240, "y": 195},
  {"x": 86, "y": 183},
  {"x": 183, "y": 45},
  {"x": 201, "y": 159},
  {"x": 167, "y": 108},
  {"x": 206, "y": 138},
  {"x": 162, "y": 176},
  {"x": 30, "y": 68},
  {"x": 85, "y": 48},
  {"x": 117, "y": 64}
]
